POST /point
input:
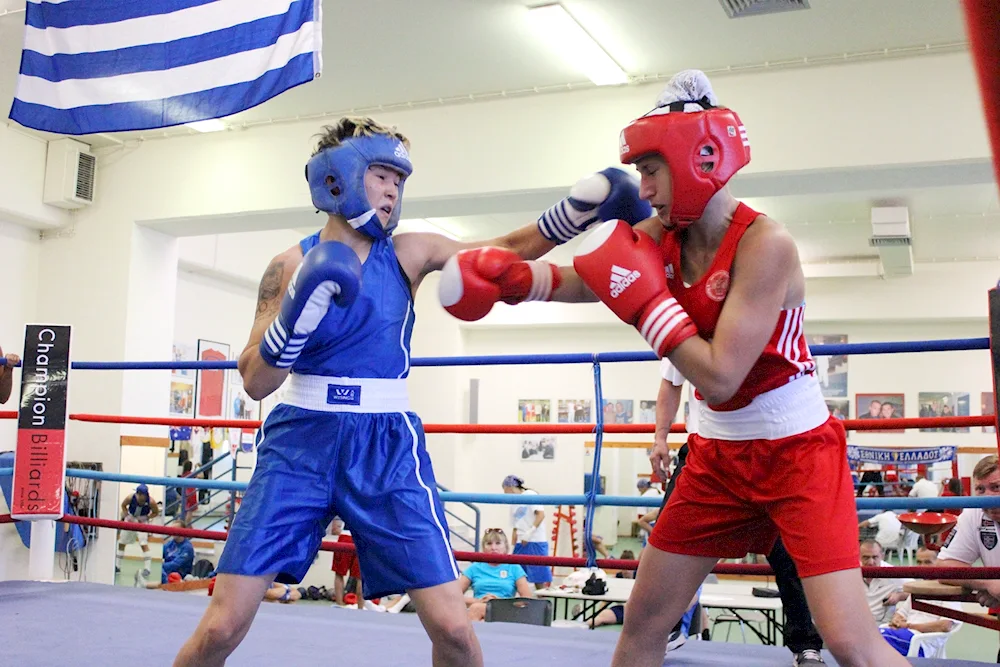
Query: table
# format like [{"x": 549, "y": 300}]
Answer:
[{"x": 735, "y": 597}]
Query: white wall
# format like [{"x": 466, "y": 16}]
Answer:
[{"x": 19, "y": 275}]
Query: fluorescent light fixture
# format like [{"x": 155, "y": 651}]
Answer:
[
  {"x": 578, "y": 48},
  {"x": 210, "y": 125}
]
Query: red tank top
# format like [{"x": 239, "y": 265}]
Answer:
[{"x": 786, "y": 356}]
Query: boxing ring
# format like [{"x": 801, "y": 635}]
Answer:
[{"x": 295, "y": 632}]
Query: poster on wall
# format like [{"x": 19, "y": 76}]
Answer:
[
  {"x": 210, "y": 388},
  {"x": 574, "y": 411},
  {"x": 534, "y": 410},
  {"x": 181, "y": 397},
  {"x": 184, "y": 352},
  {"x": 240, "y": 405},
  {"x": 831, "y": 370},
  {"x": 647, "y": 412},
  {"x": 987, "y": 407},
  {"x": 617, "y": 411},
  {"x": 944, "y": 404},
  {"x": 538, "y": 448},
  {"x": 880, "y": 406},
  {"x": 839, "y": 408}
]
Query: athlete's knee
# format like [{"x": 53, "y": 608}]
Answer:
[
  {"x": 224, "y": 627},
  {"x": 454, "y": 634},
  {"x": 848, "y": 649}
]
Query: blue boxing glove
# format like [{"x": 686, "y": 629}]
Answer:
[
  {"x": 611, "y": 194},
  {"x": 329, "y": 273}
]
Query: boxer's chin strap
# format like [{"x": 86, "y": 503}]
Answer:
[{"x": 681, "y": 105}]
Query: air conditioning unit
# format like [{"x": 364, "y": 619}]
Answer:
[
  {"x": 891, "y": 237},
  {"x": 70, "y": 174}
]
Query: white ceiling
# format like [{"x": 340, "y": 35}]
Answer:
[{"x": 397, "y": 52}]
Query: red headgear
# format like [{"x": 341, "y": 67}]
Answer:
[{"x": 703, "y": 149}]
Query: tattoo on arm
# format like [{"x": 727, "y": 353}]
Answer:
[{"x": 270, "y": 286}]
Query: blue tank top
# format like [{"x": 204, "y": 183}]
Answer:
[
  {"x": 133, "y": 505},
  {"x": 371, "y": 339}
]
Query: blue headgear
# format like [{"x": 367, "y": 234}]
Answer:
[
  {"x": 346, "y": 165},
  {"x": 142, "y": 488}
]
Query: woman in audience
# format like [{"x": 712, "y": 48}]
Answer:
[{"x": 490, "y": 581}]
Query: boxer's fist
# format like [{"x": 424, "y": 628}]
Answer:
[
  {"x": 624, "y": 268},
  {"x": 607, "y": 195},
  {"x": 330, "y": 273},
  {"x": 473, "y": 280}
]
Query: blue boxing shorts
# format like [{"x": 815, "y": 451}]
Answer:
[
  {"x": 371, "y": 469},
  {"x": 537, "y": 574}
]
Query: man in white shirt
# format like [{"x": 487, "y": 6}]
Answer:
[
  {"x": 883, "y": 594},
  {"x": 888, "y": 526},
  {"x": 906, "y": 622},
  {"x": 924, "y": 488},
  {"x": 976, "y": 537},
  {"x": 655, "y": 496}
]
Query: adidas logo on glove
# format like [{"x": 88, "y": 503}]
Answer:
[{"x": 621, "y": 279}]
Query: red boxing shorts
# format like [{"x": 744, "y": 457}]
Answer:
[
  {"x": 346, "y": 562},
  {"x": 737, "y": 497}
]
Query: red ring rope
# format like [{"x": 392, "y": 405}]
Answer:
[{"x": 556, "y": 561}]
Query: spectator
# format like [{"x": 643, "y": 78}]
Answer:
[
  {"x": 647, "y": 490},
  {"x": 888, "y": 526},
  {"x": 529, "y": 536},
  {"x": 490, "y": 581},
  {"x": 906, "y": 622},
  {"x": 345, "y": 564},
  {"x": 626, "y": 574},
  {"x": 924, "y": 488},
  {"x": 7, "y": 375},
  {"x": 178, "y": 556},
  {"x": 883, "y": 594}
]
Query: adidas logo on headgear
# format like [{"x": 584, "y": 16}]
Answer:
[
  {"x": 621, "y": 279},
  {"x": 401, "y": 151}
]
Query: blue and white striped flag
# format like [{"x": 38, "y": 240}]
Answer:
[{"x": 116, "y": 65}]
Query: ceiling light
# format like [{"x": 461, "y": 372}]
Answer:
[
  {"x": 578, "y": 48},
  {"x": 211, "y": 125}
]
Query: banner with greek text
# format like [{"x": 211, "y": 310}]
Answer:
[
  {"x": 900, "y": 455},
  {"x": 40, "y": 458}
]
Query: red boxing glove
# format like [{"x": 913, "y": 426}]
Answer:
[
  {"x": 473, "y": 280},
  {"x": 624, "y": 268}
]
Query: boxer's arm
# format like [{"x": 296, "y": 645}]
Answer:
[
  {"x": 260, "y": 378},
  {"x": 970, "y": 584},
  {"x": 765, "y": 263}
]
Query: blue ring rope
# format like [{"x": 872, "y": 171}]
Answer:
[
  {"x": 945, "y": 345},
  {"x": 950, "y": 502}
]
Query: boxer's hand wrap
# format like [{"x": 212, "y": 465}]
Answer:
[
  {"x": 329, "y": 273},
  {"x": 607, "y": 195},
  {"x": 473, "y": 280},
  {"x": 624, "y": 268}
]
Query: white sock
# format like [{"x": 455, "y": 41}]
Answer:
[
  {"x": 147, "y": 561},
  {"x": 119, "y": 556}
]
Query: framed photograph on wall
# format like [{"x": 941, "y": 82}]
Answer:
[
  {"x": 880, "y": 406},
  {"x": 534, "y": 410},
  {"x": 538, "y": 448},
  {"x": 210, "y": 389},
  {"x": 831, "y": 370},
  {"x": 181, "y": 397},
  {"x": 183, "y": 352},
  {"x": 647, "y": 412},
  {"x": 987, "y": 407},
  {"x": 617, "y": 410},
  {"x": 943, "y": 404},
  {"x": 840, "y": 408},
  {"x": 574, "y": 411}
]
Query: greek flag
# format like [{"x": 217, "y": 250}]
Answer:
[{"x": 115, "y": 65}]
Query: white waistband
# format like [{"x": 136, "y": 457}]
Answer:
[
  {"x": 338, "y": 394},
  {"x": 791, "y": 409}
]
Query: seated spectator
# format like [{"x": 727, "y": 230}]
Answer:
[
  {"x": 626, "y": 574},
  {"x": 490, "y": 581},
  {"x": 178, "y": 556},
  {"x": 281, "y": 593},
  {"x": 906, "y": 623},
  {"x": 7, "y": 375},
  {"x": 883, "y": 594},
  {"x": 888, "y": 526}
]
